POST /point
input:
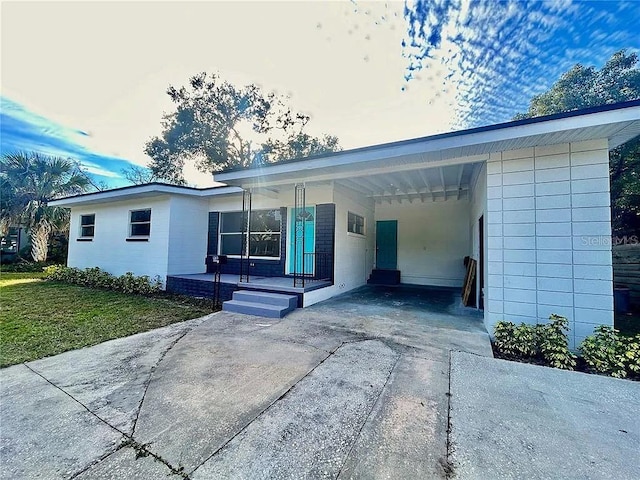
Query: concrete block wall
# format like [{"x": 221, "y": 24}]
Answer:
[
  {"x": 109, "y": 248},
  {"x": 548, "y": 236}
]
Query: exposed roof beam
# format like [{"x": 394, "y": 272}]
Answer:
[
  {"x": 352, "y": 184},
  {"x": 376, "y": 189},
  {"x": 384, "y": 186},
  {"x": 460, "y": 172},
  {"x": 411, "y": 180},
  {"x": 423, "y": 175},
  {"x": 450, "y": 190}
]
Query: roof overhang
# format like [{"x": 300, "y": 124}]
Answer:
[
  {"x": 141, "y": 191},
  {"x": 615, "y": 123}
]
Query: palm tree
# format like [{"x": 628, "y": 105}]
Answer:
[{"x": 27, "y": 182}]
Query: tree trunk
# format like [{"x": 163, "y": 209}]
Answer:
[{"x": 39, "y": 235}]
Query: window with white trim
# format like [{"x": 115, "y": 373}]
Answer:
[
  {"x": 87, "y": 225},
  {"x": 264, "y": 238},
  {"x": 355, "y": 223},
  {"x": 140, "y": 223}
]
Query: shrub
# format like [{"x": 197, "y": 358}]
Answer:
[
  {"x": 606, "y": 351},
  {"x": 98, "y": 278},
  {"x": 547, "y": 344},
  {"x": 515, "y": 340},
  {"x": 22, "y": 266},
  {"x": 553, "y": 343}
]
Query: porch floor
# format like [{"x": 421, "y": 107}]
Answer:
[{"x": 275, "y": 284}]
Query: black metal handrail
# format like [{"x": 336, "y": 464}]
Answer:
[{"x": 313, "y": 266}]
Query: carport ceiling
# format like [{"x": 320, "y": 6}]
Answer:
[{"x": 423, "y": 185}]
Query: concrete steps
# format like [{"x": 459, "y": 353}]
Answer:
[
  {"x": 261, "y": 304},
  {"x": 384, "y": 277}
]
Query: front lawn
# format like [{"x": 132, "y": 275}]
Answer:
[{"x": 39, "y": 319}]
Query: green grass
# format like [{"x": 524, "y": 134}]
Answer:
[{"x": 39, "y": 318}]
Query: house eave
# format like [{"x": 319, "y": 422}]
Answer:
[
  {"x": 141, "y": 191},
  {"x": 617, "y": 124}
]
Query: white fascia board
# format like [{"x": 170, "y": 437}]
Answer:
[
  {"x": 507, "y": 134},
  {"x": 141, "y": 191}
]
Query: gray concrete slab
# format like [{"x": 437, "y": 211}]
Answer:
[
  {"x": 110, "y": 378},
  {"x": 511, "y": 421},
  {"x": 406, "y": 434},
  {"x": 190, "y": 395},
  {"x": 425, "y": 319},
  {"x": 310, "y": 431},
  {"x": 210, "y": 386},
  {"x": 126, "y": 464},
  {"x": 43, "y": 432}
]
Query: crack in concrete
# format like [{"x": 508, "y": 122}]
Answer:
[
  {"x": 447, "y": 465},
  {"x": 355, "y": 440},
  {"x": 284, "y": 394},
  {"x": 96, "y": 462},
  {"x": 75, "y": 400},
  {"x": 150, "y": 377},
  {"x": 141, "y": 450}
]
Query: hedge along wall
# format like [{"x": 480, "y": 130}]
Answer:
[{"x": 626, "y": 270}]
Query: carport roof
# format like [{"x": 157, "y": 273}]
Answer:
[{"x": 617, "y": 123}]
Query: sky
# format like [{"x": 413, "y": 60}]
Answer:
[{"x": 87, "y": 80}]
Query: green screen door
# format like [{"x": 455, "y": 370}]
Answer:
[{"x": 387, "y": 244}]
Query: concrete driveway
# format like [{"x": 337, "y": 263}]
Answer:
[
  {"x": 352, "y": 388},
  {"x": 366, "y": 385}
]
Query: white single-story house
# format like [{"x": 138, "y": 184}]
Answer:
[{"x": 528, "y": 200}]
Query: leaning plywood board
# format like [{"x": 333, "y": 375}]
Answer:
[{"x": 469, "y": 282}]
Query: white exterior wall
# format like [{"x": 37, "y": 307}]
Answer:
[
  {"x": 353, "y": 259},
  {"x": 354, "y": 253},
  {"x": 478, "y": 209},
  {"x": 433, "y": 239},
  {"x": 549, "y": 234},
  {"x": 189, "y": 219},
  {"x": 109, "y": 249}
]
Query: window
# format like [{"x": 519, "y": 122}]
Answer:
[
  {"x": 9, "y": 242},
  {"x": 264, "y": 238},
  {"x": 140, "y": 225},
  {"x": 87, "y": 225},
  {"x": 355, "y": 223}
]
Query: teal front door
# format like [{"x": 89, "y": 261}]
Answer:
[
  {"x": 301, "y": 253},
  {"x": 387, "y": 244}
]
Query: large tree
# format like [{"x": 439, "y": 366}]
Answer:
[
  {"x": 28, "y": 181},
  {"x": 221, "y": 126},
  {"x": 137, "y": 175},
  {"x": 581, "y": 87}
]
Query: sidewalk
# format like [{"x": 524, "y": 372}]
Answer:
[{"x": 512, "y": 420}]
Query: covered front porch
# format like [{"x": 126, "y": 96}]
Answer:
[{"x": 203, "y": 285}]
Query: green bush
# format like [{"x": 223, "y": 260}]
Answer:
[
  {"x": 97, "y": 278},
  {"x": 22, "y": 266},
  {"x": 606, "y": 351},
  {"x": 547, "y": 344},
  {"x": 553, "y": 343}
]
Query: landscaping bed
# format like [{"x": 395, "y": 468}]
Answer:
[
  {"x": 41, "y": 318},
  {"x": 605, "y": 352}
]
